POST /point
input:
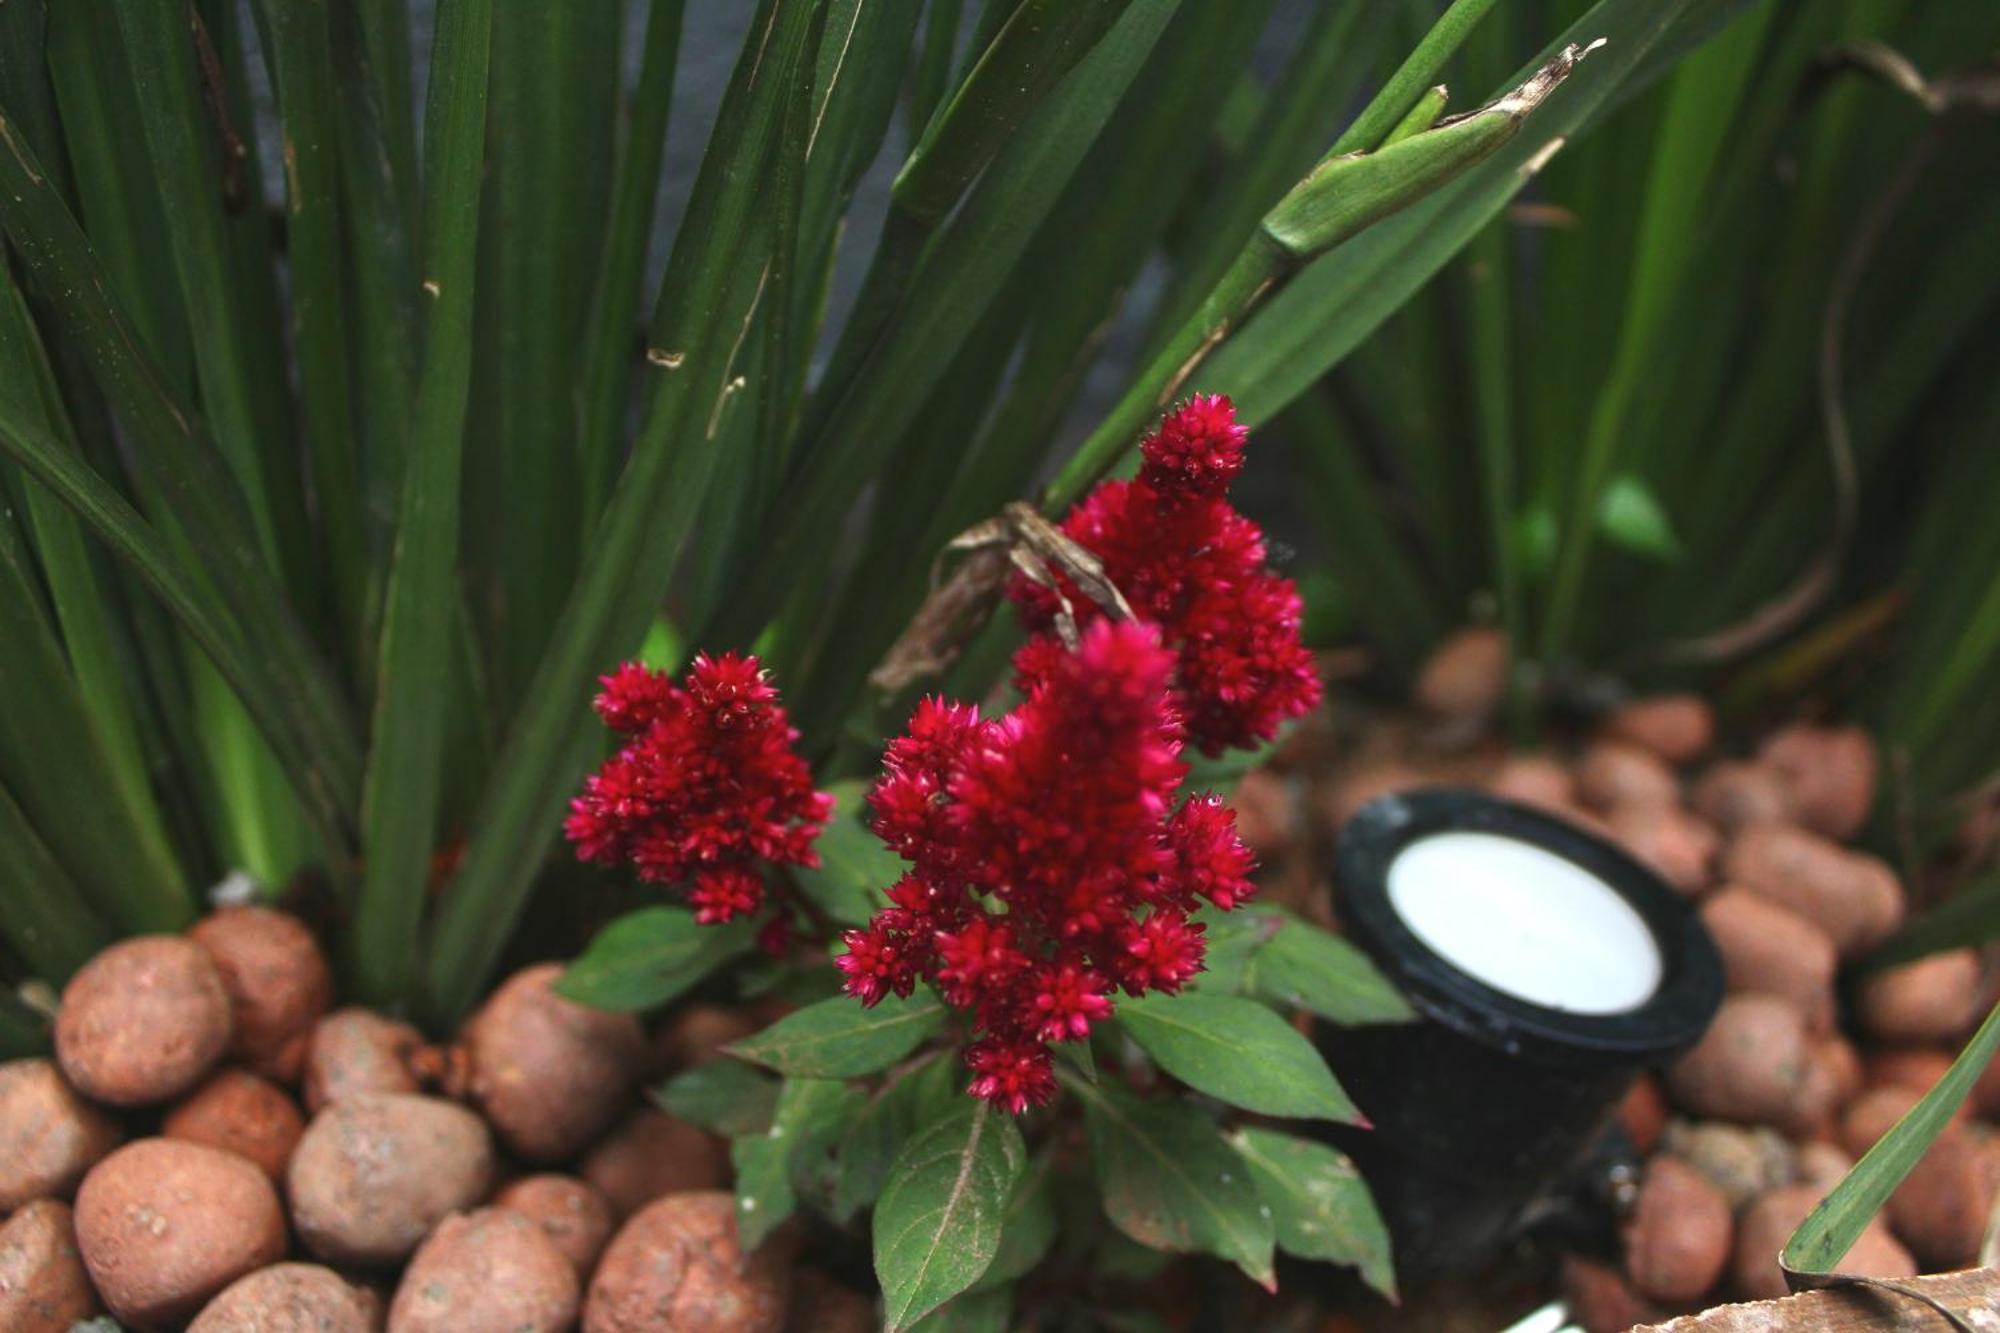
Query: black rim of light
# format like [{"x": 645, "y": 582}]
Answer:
[{"x": 1672, "y": 1019}]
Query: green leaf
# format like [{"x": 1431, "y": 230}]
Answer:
[
  {"x": 1323, "y": 974},
  {"x": 23, "y": 1032},
  {"x": 1239, "y": 1051},
  {"x": 645, "y": 959},
  {"x": 919, "y": 1097},
  {"x": 1027, "y": 1228},
  {"x": 937, "y": 1224},
  {"x": 1968, "y": 919},
  {"x": 46, "y": 922},
  {"x": 723, "y": 1096},
  {"x": 983, "y": 1310},
  {"x": 837, "y": 1038},
  {"x": 1833, "y": 1227},
  {"x": 1319, "y": 1203},
  {"x": 855, "y": 867},
  {"x": 1170, "y": 1181},
  {"x": 1234, "y": 940},
  {"x": 1631, "y": 516},
  {"x": 772, "y": 1165}
]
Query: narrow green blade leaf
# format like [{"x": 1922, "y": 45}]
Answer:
[
  {"x": 47, "y": 921},
  {"x": 23, "y": 1032},
  {"x": 837, "y": 1038},
  {"x": 937, "y": 1225},
  {"x": 1967, "y": 919},
  {"x": 648, "y": 958},
  {"x": 722, "y": 1096},
  {"x": 1319, "y": 1203},
  {"x": 1170, "y": 1181},
  {"x": 1239, "y": 1051},
  {"x": 811, "y": 1114}
]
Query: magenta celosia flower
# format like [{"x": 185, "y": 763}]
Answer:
[
  {"x": 1188, "y": 562},
  {"x": 1050, "y": 866},
  {"x": 706, "y": 787}
]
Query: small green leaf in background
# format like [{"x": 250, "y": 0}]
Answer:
[
  {"x": 937, "y": 1225},
  {"x": 774, "y": 1165},
  {"x": 1027, "y": 1228},
  {"x": 1833, "y": 1227},
  {"x": 643, "y": 960},
  {"x": 1319, "y": 1202},
  {"x": 1323, "y": 974},
  {"x": 984, "y": 1311},
  {"x": 1234, "y": 939},
  {"x": 837, "y": 1038},
  {"x": 1239, "y": 1051},
  {"x": 1536, "y": 539},
  {"x": 854, "y": 865},
  {"x": 722, "y": 1096},
  {"x": 1631, "y": 517},
  {"x": 922, "y": 1095},
  {"x": 1170, "y": 1181}
]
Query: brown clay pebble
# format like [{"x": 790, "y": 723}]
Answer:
[
  {"x": 821, "y": 1305},
  {"x": 1833, "y": 1072},
  {"x": 1642, "y": 1113},
  {"x": 1677, "y": 1240},
  {"x": 1263, "y": 806},
  {"x": 1768, "y": 949},
  {"x": 49, "y": 1136},
  {"x": 549, "y": 1073},
  {"x": 1613, "y": 774},
  {"x": 354, "y": 1051},
  {"x": 1768, "y": 1224},
  {"x": 1830, "y": 772},
  {"x": 1986, "y": 1092},
  {"x": 164, "y": 1225},
  {"x": 1676, "y": 727},
  {"x": 1534, "y": 779},
  {"x": 43, "y": 1288},
  {"x": 291, "y": 1298},
  {"x": 677, "y": 1266},
  {"x": 278, "y": 983},
  {"x": 1871, "y": 1115},
  {"x": 1367, "y": 783},
  {"x": 492, "y": 1269},
  {"x": 1933, "y": 999},
  {"x": 1853, "y": 897},
  {"x": 1601, "y": 1300},
  {"x": 240, "y": 1113},
  {"x": 1823, "y": 1165},
  {"x": 1942, "y": 1208},
  {"x": 142, "y": 1021},
  {"x": 1678, "y": 846},
  {"x": 1735, "y": 794},
  {"x": 652, "y": 1154},
  {"x": 1748, "y": 1066},
  {"x": 572, "y": 1213},
  {"x": 1465, "y": 676},
  {"x": 375, "y": 1172},
  {"x": 1918, "y": 1067},
  {"x": 1741, "y": 1162},
  {"x": 696, "y": 1035}
]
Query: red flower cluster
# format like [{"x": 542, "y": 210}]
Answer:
[
  {"x": 1049, "y": 866},
  {"x": 707, "y": 785},
  {"x": 1188, "y": 562}
]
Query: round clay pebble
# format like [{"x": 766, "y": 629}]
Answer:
[
  {"x": 1613, "y": 774},
  {"x": 1986, "y": 1092},
  {"x": 549, "y": 1073},
  {"x": 676, "y": 1265},
  {"x": 1741, "y": 1162},
  {"x": 291, "y": 1298},
  {"x": 1831, "y": 774},
  {"x": 375, "y": 1172},
  {"x": 1678, "y": 846},
  {"x": 49, "y": 1136},
  {"x": 240, "y": 1113},
  {"x": 1748, "y": 1066},
  {"x": 1942, "y": 1208},
  {"x": 1677, "y": 1240},
  {"x": 1676, "y": 727},
  {"x": 1263, "y": 806},
  {"x": 353, "y": 1051},
  {"x": 1735, "y": 794},
  {"x": 1642, "y": 1113},
  {"x": 1465, "y": 676},
  {"x": 1768, "y": 949},
  {"x": 1534, "y": 779},
  {"x": 1823, "y": 1165},
  {"x": 694, "y": 1036},
  {"x": 164, "y": 1225},
  {"x": 572, "y": 1213},
  {"x": 142, "y": 1021},
  {"x": 1833, "y": 1072},
  {"x": 652, "y": 1154},
  {"x": 1933, "y": 999},
  {"x": 1853, "y": 897},
  {"x": 1871, "y": 1115},
  {"x": 1768, "y": 1224},
  {"x": 492, "y": 1269},
  {"x": 1366, "y": 783},
  {"x": 821, "y": 1305},
  {"x": 278, "y": 982},
  {"x": 43, "y": 1287},
  {"x": 1918, "y": 1067},
  {"x": 1600, "y": 1300}
]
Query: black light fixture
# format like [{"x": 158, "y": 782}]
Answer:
[{"x": 1548, "y": 969}]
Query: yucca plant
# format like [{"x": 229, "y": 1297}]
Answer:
[{"x": 348, "y": 446}]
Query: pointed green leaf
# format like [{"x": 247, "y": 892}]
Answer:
[
  {"x": 981, "y": 1311},
  {"x": 1170, "y": 1181},
  {"x": 1239, "y": 1051},
  {"x": 645, "y": 959},
  {"x": 771, "y": 1165},
  {"x": 937, "y": 1225},
  {"x": 837, "y": 1038},
  {"x": 1027, "y": 1228},
  {"x": 723, "y": 1096},
  {"x": 1631, "y": 516},
  {"x": 1323, "y": 974},
  {"x": 1319, "y": 1203},
  {"x": 916, "y": 1099}
]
